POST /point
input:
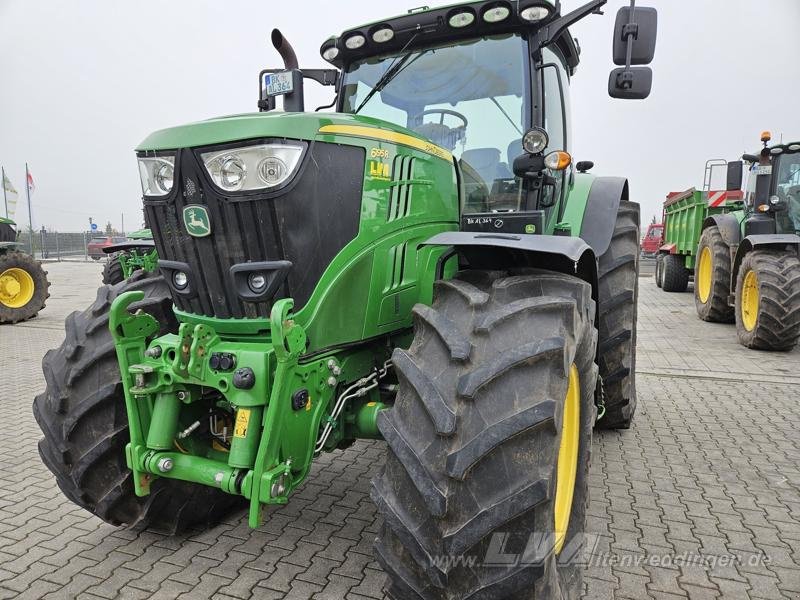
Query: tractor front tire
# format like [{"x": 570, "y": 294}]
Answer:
[
  {"x": 85, "y": 425},
  {"x": 498, "y": 382},
  {"x": 112, "y": 271},
  {"x": 712, "y": 278},
  {"x": 24, "y": 288},
  {"x": 617, "y": 313},
  {"x": 675, "y": 277},
  {"x": 768, "y": 300}
]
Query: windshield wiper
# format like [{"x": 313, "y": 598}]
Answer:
[
  {"x": 384, "y": 79},
  {"x": 394, "y": 68}
]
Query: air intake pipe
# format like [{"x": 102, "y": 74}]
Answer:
[{"x": 293, "y": 101}]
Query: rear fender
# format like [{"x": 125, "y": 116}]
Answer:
[
  {"x": 600, "y": 216},
  {"x": 485, "y": 251},
  {"x": 786, "y": 241}
]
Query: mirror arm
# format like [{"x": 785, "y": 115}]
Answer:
[
  {"x": 630, "y": 32},
  {"x": 551, "y": 31}
]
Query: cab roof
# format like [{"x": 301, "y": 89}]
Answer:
[{"x": 426, "y": 27}]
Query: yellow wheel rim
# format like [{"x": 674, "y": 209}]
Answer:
[
  {"x": 16, "y": 287},
  {"x": 703, "y": 282},
  {"x": 749, "y": 301},
  {"x": 567, "y": 458}
]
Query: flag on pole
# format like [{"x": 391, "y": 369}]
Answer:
[
  {"x": 31, "y": 185},
  {"x": 10, "y": 196}
]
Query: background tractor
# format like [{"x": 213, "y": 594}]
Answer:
[
  {"x": 23, "y": 282},
  {"x": 135, "y": 254},
  {"x": 425, "y": 266},
  {"x": 742, "y": 247}
]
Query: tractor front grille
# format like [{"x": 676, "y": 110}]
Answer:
[{"x": 307, "y": 223}]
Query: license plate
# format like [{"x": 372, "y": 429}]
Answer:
[
  {"x": 763, "y": 170},
  {"x": 276, "y": 84}
]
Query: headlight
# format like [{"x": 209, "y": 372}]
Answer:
[
  {"x": 253, "y": 167},
  {"x": 535, "y": 140},
  {"x": 156, "y": 174}
]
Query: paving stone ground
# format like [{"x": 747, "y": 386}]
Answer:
[{"x": 699, "y": 499}]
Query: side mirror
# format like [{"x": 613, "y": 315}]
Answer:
[
  {"x": 634, "y": 83},
  {"x": 634, "y": 44},
  {"x": 734, "y": 176},
  {"x": 642, "y": 28},
  {"x": 584, "y": 165}
]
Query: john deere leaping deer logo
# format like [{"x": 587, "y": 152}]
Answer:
[{"x": 196, "y": 220}]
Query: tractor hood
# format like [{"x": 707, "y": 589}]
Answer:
[
  {"x": 299, "y": 126},
  {"x": 212, "y": 241}
]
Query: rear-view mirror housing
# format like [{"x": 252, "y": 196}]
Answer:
[
  {"x": 734, "y": 176},
  {"x": 630, "y": 84},
  {"x": 645, "y": 27}
]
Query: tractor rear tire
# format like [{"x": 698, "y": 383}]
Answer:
[
  {"x": 712, "y": 278},
  {"x": 24, "y": 288},
  {"x": 112, "y": 271},
  {"x": 675, "y": 276},
  {"x": 617, "y": 311},
  {"x": 768, "y": 300},
  {"x": 82, "y": 416},
  {"x": 659, "y": 274},
  {"x": 475, "y": 435}
]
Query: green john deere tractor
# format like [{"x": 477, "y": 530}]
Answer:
[
  {"x": 138, "y": 253},
  {"x": 23, "y": 282},
  {"x": 425, "y": 265},
  {"x": 748, "y": 260}
]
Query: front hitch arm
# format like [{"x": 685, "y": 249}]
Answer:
[{"x": 130, "y": 332}]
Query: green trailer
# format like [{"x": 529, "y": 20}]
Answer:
[
  {"x": 741, "y": 247},
  {"x": 684, "y": 215}
]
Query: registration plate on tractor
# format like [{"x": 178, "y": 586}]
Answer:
[{"x": 276, "y": 84}]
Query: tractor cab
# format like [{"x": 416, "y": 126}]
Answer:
[
  {"x": 772, "y": 193},
  {"x": 488, "y": 82}
]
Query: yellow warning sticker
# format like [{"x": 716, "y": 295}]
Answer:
[{"x": 242, "y": 421}]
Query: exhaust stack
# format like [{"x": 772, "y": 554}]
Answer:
[
  {"x": 292, "y": 102},
  {"x": 285, "y": 49}
]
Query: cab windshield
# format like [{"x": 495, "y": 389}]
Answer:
[{"x": 468, "y": 98}]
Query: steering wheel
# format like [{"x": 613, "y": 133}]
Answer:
[{"x": 443, "y": 112}]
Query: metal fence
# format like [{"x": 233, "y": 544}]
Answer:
[{"x": 58, "y": 245}]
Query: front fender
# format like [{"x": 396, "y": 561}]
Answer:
[
  {"x": 486, "y": 251},
  {"x": 729, "y": 228},
  {"x": 752, "y": 242}
]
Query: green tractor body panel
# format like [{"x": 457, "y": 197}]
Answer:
[
  {"x": 685, "y": 214},
  {"x": 571, "y": 221}
]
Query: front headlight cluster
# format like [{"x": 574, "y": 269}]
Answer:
[
  {"x": 157, "y": 174},
  {"x": 258, "y": 167},
  {"x": 253, "y": 167}
]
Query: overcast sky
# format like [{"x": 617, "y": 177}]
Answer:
[{"x": 83, "y": 82}]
